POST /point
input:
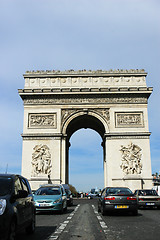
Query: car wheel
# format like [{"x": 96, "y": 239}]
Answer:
[
  {"x": 31, "y": 228},
  {"x": 12, "y": 230},
  {"x": 102, "y": 210},
  {"x": 65, "y": 209},
  {"x": 62, "y": 209},
  {"x": 99, "y": 210}
]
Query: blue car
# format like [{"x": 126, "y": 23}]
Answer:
[{"x": 50, "y": 197}]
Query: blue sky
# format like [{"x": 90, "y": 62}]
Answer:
[{"x": 70, "y": 34}]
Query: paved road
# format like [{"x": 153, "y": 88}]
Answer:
[{"x": 82, "y": 221}]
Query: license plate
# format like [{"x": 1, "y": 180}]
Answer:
[
  {"x": 44, "y": 205},
  {"x": 150, "y": 204},
  {"x": 121, "y": 206}
]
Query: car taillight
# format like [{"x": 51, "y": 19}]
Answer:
[
  {"x": 131, "y": 198},
  {"x": 158, "y": 199},
  {"x": 109, "y": 198},
  {"x": 141, "y": 199}
]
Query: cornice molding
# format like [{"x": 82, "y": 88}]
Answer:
[
  {"x": 84, "y": 72},
  {"x": 127, "y": 135}
]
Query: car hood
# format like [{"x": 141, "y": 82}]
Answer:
[
  {"x": 7, "y": 197},
  {"x": 46, "y": 197}
]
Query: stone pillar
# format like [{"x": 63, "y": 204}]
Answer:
[{"x": 128, "y": 161}]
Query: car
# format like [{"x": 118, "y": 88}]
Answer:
[
  {"x": 50, "y": 197},
  {"x": 91, "y": 195},
  {"x": 69, "y": 194},
  {"x": 117, "y": 199},
  {"x": 17, "y": 210},
  {"x": 147, "y": 198}
]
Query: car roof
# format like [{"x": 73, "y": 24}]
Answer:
[
  {"x": 9, "y": 175},
  {"x": 51, "y": 185},
  {"x": 150, "y": 189},
  {"x": 118, "y": 187}
]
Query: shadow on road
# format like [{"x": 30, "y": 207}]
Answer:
[{"x": 41, "y": 233}]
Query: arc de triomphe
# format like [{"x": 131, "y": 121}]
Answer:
[{"x": 113, "y": 103}]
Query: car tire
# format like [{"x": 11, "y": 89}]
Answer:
[
  {"x": 102, "y": 211},
  {"x": 12, "y": 230},
  {"x": 99, "y": 210},
  {"x": 62, "y": 210},
  {"x": 65, "y": 209},
  {"x": 31, "y": 228}
]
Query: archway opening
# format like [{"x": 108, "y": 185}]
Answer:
[
  {"x": 86, "y": 160},
  {"x": 85, "y": 152}
]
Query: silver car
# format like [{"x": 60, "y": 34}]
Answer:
[{"x": 147, "y": 198}]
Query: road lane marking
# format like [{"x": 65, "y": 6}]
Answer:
[
  {"x": 101, "y": 222},
  {"x": 55, "y": 235}
]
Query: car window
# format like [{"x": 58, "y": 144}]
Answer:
[
  {"x": 48, "y": 191},
  {"x": 103, "y": 192},
  {"x": 119, "y": 191},
  {"x": 18, "y": 185},
  {"x": 147, "y": 193},
  {"x": 24, "y": 185},
  {"x": 5, "y": 185}
]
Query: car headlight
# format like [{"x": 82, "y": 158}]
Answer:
[
  {"x": 2, "y": 206},
  {"x": 58, "y": 200}
]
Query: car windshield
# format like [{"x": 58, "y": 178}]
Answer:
[
  {"x": 48, "y": 191},
  {"x": 5, "y": 186},
  {"x": 147, "y": 193},
  {"x": 119, "y": 191}
]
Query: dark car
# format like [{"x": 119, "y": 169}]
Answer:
[
  {"x": 117, "y": 198},
  {"x": 147, "y": 198},
  {"x": 69, "y": 194},
  {"x": 17, "y": 210}
]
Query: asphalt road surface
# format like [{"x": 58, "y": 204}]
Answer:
[{"x": 82, "y": 221}]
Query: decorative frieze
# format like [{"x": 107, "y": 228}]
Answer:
[
  {"x": 42, "y": 120},
  {"x": 130, "y": 119},
  {"x": 87, "y": 99},
  {"x": 41, "y": 161},
  {"x": 131, "y": 159}
]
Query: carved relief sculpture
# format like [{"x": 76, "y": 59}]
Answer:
[
  {"x": 129, "y": 119},
  {"x": 41, "y": 161},
  {"x": 42, "y": 120},
  {"x": 131, "y": 159}
]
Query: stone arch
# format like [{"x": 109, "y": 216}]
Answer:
[
  {"x": 87, "y": 114},
  {"x": 84, "y": 119},
  {"x": 113, "y": 103}
]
